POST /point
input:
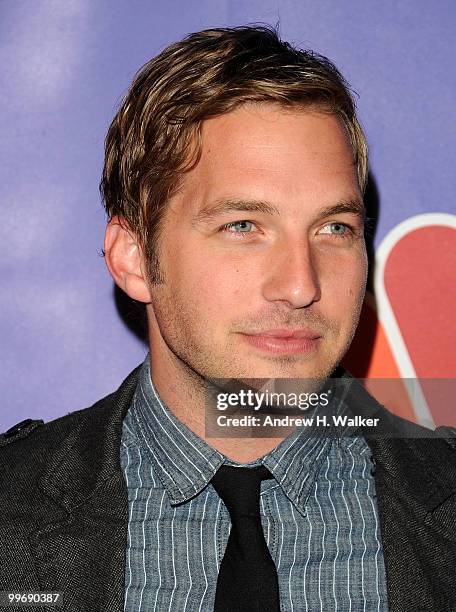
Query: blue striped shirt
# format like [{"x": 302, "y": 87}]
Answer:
[{"x": 318, "y": 513}]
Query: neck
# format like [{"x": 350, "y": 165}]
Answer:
[{"x": 183, "y": 392}]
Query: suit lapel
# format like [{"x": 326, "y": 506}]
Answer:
[
  {"x": 415, "y": 480},
  {"x": 418, "y": 530},
  {"x": 81, "y": 550}
]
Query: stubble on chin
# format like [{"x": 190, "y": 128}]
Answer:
[{"x": 204, "y": 352}]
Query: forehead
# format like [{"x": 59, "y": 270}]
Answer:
[{"x": 274, "y": 154}]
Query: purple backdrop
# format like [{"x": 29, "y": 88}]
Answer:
[{"x": 64, "y": 68}]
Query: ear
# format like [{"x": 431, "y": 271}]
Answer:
[{"x": 125, "y": 260}]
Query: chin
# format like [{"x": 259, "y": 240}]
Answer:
[{"x": 288, "y": 367}]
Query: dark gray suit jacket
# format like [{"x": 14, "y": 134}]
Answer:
[{"x": 64, "y": 509}]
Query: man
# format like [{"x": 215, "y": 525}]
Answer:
[{"x": 233, "y": 183}]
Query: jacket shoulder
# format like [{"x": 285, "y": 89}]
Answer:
[
  {"x": 19, "y": 430},
  {"x": 33, "y": 437},
  {"x": 448, "y": 434},
  {"x": 30, "y": 441}
]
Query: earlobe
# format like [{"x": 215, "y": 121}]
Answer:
[{"x": 124, "y": 260}]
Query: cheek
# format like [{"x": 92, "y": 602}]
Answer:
[
  {"x": 215, "y": 286},
  {"x": 344, "y": 283}
]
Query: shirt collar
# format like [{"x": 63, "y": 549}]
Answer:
[{"x": 185, "y": 463}]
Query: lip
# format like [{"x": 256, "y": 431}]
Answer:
[
  {"x": 283, "y": 341},
  {"x": 286, "y": 333}
]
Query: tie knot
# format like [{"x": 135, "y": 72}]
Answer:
[{"x": 239, "y": 488}]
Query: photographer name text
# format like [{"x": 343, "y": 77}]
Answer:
[{"x": 292, "y": 421}]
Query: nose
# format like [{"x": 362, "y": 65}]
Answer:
[{"x": 292, "y": 277}]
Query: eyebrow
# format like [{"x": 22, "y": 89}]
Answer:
[
  {"x": 352, "y": 206},
  {"x": 220, "y": 207}
]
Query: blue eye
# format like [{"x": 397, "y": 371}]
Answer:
[
  {"x": 239, "y": 227},
  {"x": 336, "y": 229}
]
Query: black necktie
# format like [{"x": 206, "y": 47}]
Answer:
[{"x": 247, "y": 580}]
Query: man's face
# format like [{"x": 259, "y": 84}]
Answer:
[{"x": 262, "y": 250}]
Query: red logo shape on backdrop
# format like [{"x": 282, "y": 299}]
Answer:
[{"x": 407, "y": 331}]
